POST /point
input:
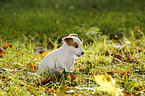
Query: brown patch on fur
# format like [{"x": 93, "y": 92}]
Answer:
[
  {"x": 76, "y": 35},
  {"x": 74, "y": 44},
  {"x": 69, "y": 41}
]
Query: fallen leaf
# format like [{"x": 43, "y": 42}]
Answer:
[
  {"x": 137, "y": 88},
  {"x": 122, "y": 73},
  {"x": 117, "y": 56},
  {"x": 95, "y": 73},
  {"x": 132, "y": 61},
  {"x": 54, "y": 91},
  {"x": 116, "y": 36},
  {"x": 127, "y": 93},
  {"x": 138, "y": 63},
  {"x": 128, "y": 58},
  {"x": 88, "y": 62},
  {"x": 48, "y": 89},
  {"x": 44, "y": 54},
  {"x": 47, "y": 80},
  {"x": 6, "y": 46},
  {"x": 137, "y": 27},
  {"x": 36, "y": 56},
  {"x": 128, "y": 72},
  {"x": 41, "y": 51},
  {"x": 1, "y": 77},
  {"x": 31, "y": 66},
  {"x": 40, "y": 33},
  {"x": 20, "y": 52},
  {"x": 110, "y": 73},
  {"x": 72, "y": 76},
  {"x": 102, "y": 62},
  {"x": 2, "y": 52},
  {"x": 31, "y": 90},
  {"x": 137, "y": 37},
  {"x": 107, "y": 84}
]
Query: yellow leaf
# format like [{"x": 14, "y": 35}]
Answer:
[
  {"x": 44, "y": 54},
  {"x": 36, "y": 56},
  {"x": 107, "y": 84}
]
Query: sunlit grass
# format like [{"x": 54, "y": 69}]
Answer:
[
  {"x": 19, "y": 79},
  {"x": 29, "y": 24}
]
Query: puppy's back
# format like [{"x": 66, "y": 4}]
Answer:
[{"x": 47, "y": 61}]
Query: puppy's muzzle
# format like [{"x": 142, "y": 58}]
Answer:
[{"x": 81, "y": 54}]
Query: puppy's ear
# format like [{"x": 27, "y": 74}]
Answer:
[
  {"x": 76, "y": 35},
  {"x": 68, "y": 40}
]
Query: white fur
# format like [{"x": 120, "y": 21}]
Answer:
[{"x": 62, "y": 58}]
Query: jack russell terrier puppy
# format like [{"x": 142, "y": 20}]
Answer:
[{"x": 64, "y": 57}]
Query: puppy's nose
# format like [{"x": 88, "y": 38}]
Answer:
[{"x": 82, "y": 53}]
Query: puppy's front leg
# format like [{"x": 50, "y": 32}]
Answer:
[
  {"x": 66, "y": 69},
  {"x": 64, "y": 66},
  {"x": 70, "y": 69}
]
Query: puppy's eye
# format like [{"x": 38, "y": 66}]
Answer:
[{"x": 76, "y": 46}]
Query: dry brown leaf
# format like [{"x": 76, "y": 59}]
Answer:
[
  {"x": 6, "y": 46},
  {"x": 20, "y": 52},
  {"x": 95, "y": 73},
  {"x": 31, "y": 66},
  {"x": 110, "y": 73},
  {"x": 128, "y": 58},
  {"x": 2, "y": 52},
  {"x": 127, "y": 93},
  {"x": 72, "y": 76},
  {"x": 48, "y": 89},
  {"x": 122, "y": 72},
  {"x": 118, "y": 56},
  {"x": 137, "y": 27},
  {"x": 40, "y": 33}
]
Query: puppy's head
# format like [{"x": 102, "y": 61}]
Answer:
[{"x": 74, "y": 44}]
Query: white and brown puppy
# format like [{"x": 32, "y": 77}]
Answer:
[{"x": 64, "y": 57}]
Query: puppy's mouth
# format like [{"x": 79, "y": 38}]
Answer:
[{"x": 80, "y": 54}]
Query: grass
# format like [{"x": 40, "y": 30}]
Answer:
[
  {"x": 31, "y": 24},
  {"x": 18, "y": 78},
  {"x": 49, "y": 16}
]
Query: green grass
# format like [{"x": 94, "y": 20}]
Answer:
[
  {"x": 21, "y": 23},
  {"x": 49, "y": 16},
  {"x": 22, "y": 81}
]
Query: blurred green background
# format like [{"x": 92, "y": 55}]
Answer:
[{"x": 61, "y": 17}]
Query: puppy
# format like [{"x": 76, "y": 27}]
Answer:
[{"x": 64, "y": 57}]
